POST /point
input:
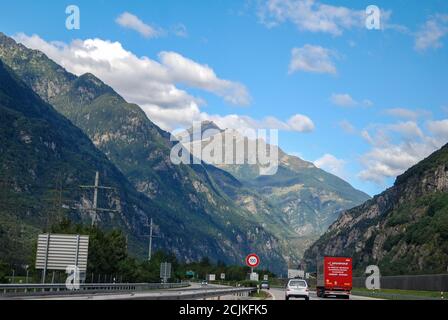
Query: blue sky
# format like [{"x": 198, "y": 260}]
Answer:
[{"x": 377, "y": 99}]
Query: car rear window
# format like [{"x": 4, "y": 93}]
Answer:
[{"x": 298, "y": 284}]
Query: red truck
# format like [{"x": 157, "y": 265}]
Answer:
[{"x": 334, "y": 277}]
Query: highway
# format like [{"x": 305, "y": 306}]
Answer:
[
  {"x": 279, "y": 294},
  {"x": 193, "y": 292}
]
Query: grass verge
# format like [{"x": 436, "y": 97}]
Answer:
[{"x": 395, "y": 294}]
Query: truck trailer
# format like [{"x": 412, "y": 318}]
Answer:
[{"x": 334, "y": 277}]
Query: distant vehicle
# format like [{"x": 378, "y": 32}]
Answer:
[
  {"x": 204, "y": 283},
  {"x": 334, "y": 277},
  {"x": 265, "y": 285},
  {"x": 297, "y": 288}
]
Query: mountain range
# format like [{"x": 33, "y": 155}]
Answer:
[
  {"x": 199, "y": 210},
  {"x": 304, "y": 197},
  {"x": 193, "y": 218}
]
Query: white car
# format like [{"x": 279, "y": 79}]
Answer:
[{"x": 297, "y": 288}]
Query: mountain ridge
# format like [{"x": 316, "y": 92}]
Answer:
[
  {"x": 57, "y": 157},
  {"x": 404, "y": 229}
]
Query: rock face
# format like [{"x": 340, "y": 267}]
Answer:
[
  {"x": 195, "y": 216},
  {"x": 403, "y": 230}
]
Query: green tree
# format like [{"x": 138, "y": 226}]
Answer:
[{"x": 4, "y": 269}]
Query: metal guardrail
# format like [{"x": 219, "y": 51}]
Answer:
[
  {"x": 197, "y": 294},
  {"x": 60, "y": 288},
  {"x": 135, "y": 291}
]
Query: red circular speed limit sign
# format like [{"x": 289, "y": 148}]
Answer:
[{"x": 252, "y": 260}]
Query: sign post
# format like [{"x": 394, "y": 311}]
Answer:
[
  {"x": 253, "y": 261},
  {"x": 165, "y": 271}
]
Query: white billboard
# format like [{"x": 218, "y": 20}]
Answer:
[
  {"x": 253, "y": 276},
  {"x": 165, "y": 270},
  {"x": 295, "y": 273},
  {"x": 57, "y": 251},
  {"x": 211, "y": 277}
]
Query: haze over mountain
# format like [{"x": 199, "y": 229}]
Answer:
[
  {"x": 305, "y": 197},
  {"x": 403, "y": 230}
]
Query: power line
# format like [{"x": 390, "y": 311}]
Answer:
[
  {"x": 151, "y": 236},
  {"x": 96, "y": 188}
]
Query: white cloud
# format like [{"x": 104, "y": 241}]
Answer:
[
  {"x": 393, "y": 160},
  {"x": 408, "y": 130},
  {"x": 408, "y": 114},
  {"x": 397, "y": 147},
  {"x": 402, "y": 113},
  {"x": 152, "y": 84},
  {"x": 432, "y": 32},
  {"x": 140, "y": 80},
  {"x": 343, "y": 100},
  {"x": 300, "y": 123},
  {"x": 439, "y": 129},
  {"x": 201, "y": 76},
  {"x": 130, "y": 21},
  {"x": 310, "y": 15},
  {"x": 331, "y": 164},
  {"x": 346, "y": 100},
  {"x": 311, "y": 58}
]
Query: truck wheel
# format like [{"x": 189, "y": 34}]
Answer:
[
  {"x": 307, "y": 298},
  {"x": 286, "y": 298},
  {"x": 320, "y": 293}
]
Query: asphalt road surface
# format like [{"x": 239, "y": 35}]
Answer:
[
  {"x": 276, "y": 293},
  {"x": 279, "y": 294}
]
